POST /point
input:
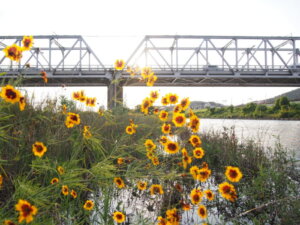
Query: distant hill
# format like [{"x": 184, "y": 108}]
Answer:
[
  {"x": 202, "y": 105},
  {"x": 291, "y": 95}
]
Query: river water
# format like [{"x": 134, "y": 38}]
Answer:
[{"x": 267, "y": 132}]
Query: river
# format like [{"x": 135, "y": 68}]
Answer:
[{"x": 267, "y": 132}]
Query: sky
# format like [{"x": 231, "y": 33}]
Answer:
[{"x": 114, "y": 28}]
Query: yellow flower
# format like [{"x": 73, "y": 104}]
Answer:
[
  {"x": 195, "y": 141},
  {"x": 209, "y": 195},
  {"x": 22, "y": 103},
  {"x": 147, "y": 102},
  {"x": 163, "y": 140},
  {"x": 146, "y": 72},
  {"x": 166, "y": 128},
  {"x": 185, "y": 103},
  {"x": 73, "y": 194},
  {"x": 119, "y": 182},
  {"x": 171, "y": 147},
  {"x": 54, "y": 180},
  {"x": 202, "y": 212},
  {"x": 100, "y": 112},
  {"x": 177, "y": 109},
  {"x": 88, "y": 205},
  {"x": 161, "y": 221},
  {"x": 179, "y": 119},
  {"x": 39, "y": 149},
  {"x": 154, "y": 95},
  {"x": 13, "y": 52},
  {"x": 194, "y": 171},
  {"x": 173, "y": 216},
  {"x": 185, "y": 206},
  {"x": 228, "y": 191},
  {"x": 203, "y": 174},
  {"x": 119, "y": 217},
  {"x": 142, "y": 185},
  {"x": 9, "y": 222},
  {"x": 165, "y": 100},
  {"x": 86, "y": 133},
  {"x": 156, "y": 189},
  {"x": 26, "y": 211},
  {"x": 149, "y": 144},
  {"x": 163, "y": 115},
  {"x": 90, "y": 102},
  {"x": 65, "y": 190},
  {"x": 130, "y": 130},
  {"x": 119, "y": 64},
  {"x": 72, "y": 120},
  {"x": 194, "y": 123},
  {"x": 198, "y": 153},
  {"x": 151, "y": 80},
  {"x": 60, "y": 170},
  {"x": 10, "y": 94},
  {"x": 196, "y": 196},
  {"x": 233, "y": 174},
  {"x": 172, "y": 98},
  {"x": 27, "y": 43},
  {"x": 156, "y": 111},
  {"x": 155, "y": 161},
  {"x": 120, "y": 161},
  {"x": 186, "y": 159}
]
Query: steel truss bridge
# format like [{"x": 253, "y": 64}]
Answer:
[{"x": 178, "y": 60}]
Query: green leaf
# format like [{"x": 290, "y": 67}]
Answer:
[{"x": 2, "y": 74}]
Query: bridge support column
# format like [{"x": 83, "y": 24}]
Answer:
[{"x": 114, "y": 94}]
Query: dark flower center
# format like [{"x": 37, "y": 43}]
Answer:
[
  {"x": 26, "y": 210},
  {"x": 233, "y": 173},
  {"x": 10, "y": 94}
]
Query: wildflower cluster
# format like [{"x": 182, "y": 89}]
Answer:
[{"x": 81, "y": 97}]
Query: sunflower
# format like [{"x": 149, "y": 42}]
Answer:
[
  {"x": 10, "y": 94},
  {"x": 198, "y": 153},
  {"x": 228, "y": 191},
  {"x": 119, "y": 182},
  {"x": 76, "y": 95},
  {"x": 90, "y": 102},
  {"x": 154, "y": 95},
  {"x": 194, "y": 123},
  {"x": 9, "y": 222},
  {"x": 54, "y": 180},
  {"x": 209, "y": 195},
  {"x": 22, "y": 103},
  {"x": 155, "y": 161},
  {"x": 88, "y": 205},
  {"x": 166, "y": 128},
  {"x": 119, "y": 217},
  {"x": 60, "y": 170},
  {"x": 202, "y": 212},
  {"x": 86, "y": 133},
  {"x": 13, "y": 52},
  {"x": 150, "y": 155},
  {"x": 172, "y": 98},
  {"x": 233, "y": 174},
  {"x": 147, "y": 102},
  {"x": 196, "y": 196},
  {"x": 163, "y": 115},
  {"x": 146, "y": 72},
  {"x": 156, "y": 189},
  {"x": 119, "y": 64},
  {"x": 156, "y": 111},
  {"x": 142, "y": 185},
  {"x": 163, "y": 140},
  {"x": 27, "y": 43},
  {"x": 65, "y": 190},
  {"x": 179, "y": 119},
  {"x": 177, "y": 109},
  {"x": 164, "y": 100},
  {"x": 195, "y": 140},
  {"x": 171, "y": 147},
  {"x": 149, "y": 144},
  {"x": 73, "y": 194},
  {"x": 39, "y": 149},
  {"x": 203, "y": 174},
  {"x": 185, "y": 103},
  {"x": 26, "y": 211}
]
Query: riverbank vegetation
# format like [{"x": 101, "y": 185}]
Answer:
[
  {"x": 62, "y": 165},
  {"x": 282, "y": 109}
]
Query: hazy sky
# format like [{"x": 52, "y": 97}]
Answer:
[{"x": 113, "y": 28}]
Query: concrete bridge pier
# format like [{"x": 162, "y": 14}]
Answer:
[{"x": 115, "y": 92}]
